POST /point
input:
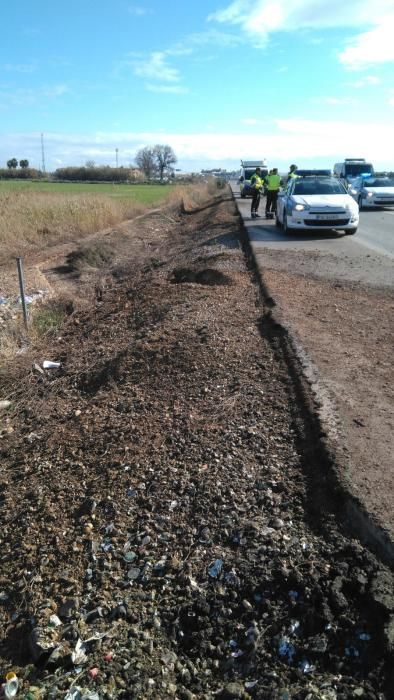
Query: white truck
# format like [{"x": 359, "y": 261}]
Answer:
[
  {"x": 248, "y": 167},
  {"x": 351, "y": 168}
]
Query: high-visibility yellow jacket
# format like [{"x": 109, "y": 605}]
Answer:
[
  {"x": 256, "y": 181},
  {"x": 272, "y": 182},
  {"x": 292, "y": 174}
]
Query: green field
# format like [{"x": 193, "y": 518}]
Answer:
[{"x": 144, "y": 194}]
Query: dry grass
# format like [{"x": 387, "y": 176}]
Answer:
[
  {"x": 31, "y": 221},
  {"x": 13, "y": 340},
  {"x": 35, "y": 221},
  {"x": 197, "y": 195}
]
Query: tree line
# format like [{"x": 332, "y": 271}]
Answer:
[{"x": 153, "y": 162}]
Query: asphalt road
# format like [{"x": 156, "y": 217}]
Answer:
[{"x": 367, "y": 257}]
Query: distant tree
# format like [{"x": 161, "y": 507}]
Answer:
[
  {"x": 90, "y": 164},
  {"x": 103, "y": 173},
  {"x": 12, "y": 163},
  {"x": 165, "y": 158},
  {"x": 145, "y": 160},
  {"x": 24, "y": 163}
]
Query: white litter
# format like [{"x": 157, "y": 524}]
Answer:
[{"x": 47, "y": 364}]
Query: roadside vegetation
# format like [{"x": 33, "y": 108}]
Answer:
[
  {"x": 142, "y": 193},
  {"x": 37, "y": 215},
  {"x": 34, "y": 221}
]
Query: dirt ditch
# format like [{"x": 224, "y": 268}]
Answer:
[{"x": 167, "y": 530}]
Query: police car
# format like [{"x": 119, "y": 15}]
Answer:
[
  {"x": 373, "y": 191},
  {"x": 316, "y": 203}
]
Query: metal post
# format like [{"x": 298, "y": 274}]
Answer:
[{"x": 22, "y": 291}]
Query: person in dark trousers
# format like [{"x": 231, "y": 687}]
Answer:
[
  {"x": 272, "y": 185},
  {"x": 256, "y": 182}
]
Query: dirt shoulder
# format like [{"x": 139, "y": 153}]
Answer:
[
  {"x": 348, "y": 332},
  {"x": 167, "y": 530}
]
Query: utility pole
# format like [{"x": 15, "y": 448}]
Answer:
[
  {"x": 43, "y": 153},
  {"x": 116, "y": 154}
]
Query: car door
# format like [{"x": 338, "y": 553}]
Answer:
[
  {"x": 287, "y": 195},
  {"x": 280, "y": 205}
]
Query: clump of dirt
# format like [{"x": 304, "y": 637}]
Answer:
[
  {"x": 158, "y": 534},
  {"x": 96, "y": 255},
  {"x": 208, "y": 276}
]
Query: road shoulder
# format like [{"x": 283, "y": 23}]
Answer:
[{"x": 343, "y": 333}]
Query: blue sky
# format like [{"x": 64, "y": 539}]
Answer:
[{"x": 305, "y": 81}]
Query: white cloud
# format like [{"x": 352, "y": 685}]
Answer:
[
  {"x": 366, "y": 81},
  {"x": 282, "y": 142},
  {"x": 56, "y": 90},
  {"x": 19, "y": 68},
  {"x": 139, "y": 10},
  {"x": 156, "y": 67},
  {"x": 30, "y": 96},
  {"x": 213, "y": 37},
  {"x": 264, "y": 17},
  {"x": 372, "y": 47}
]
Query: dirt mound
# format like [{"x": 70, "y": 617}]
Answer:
[{"x": 208, "y": 276}]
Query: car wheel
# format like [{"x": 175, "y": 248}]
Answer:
[
  {"x": 286, "y": 228},
  {"x": 360, "y": 203},
  {"x": 350, "y": 231}
]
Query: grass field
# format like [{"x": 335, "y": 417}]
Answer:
[
  {"x": 34, "y": 215},
  {"x": 143, "y": 194}
]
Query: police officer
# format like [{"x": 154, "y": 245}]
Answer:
[
  {"x": 272, "y": 186},
  {"x": 256, "y": 182},
  {"x": 292, "y": 172}
]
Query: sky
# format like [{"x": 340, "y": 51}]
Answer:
[{"x": 309, "y": 82}]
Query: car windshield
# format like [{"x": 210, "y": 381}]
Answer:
[
  {"x": 379, "y": 182},
  {"x": 354, "y": 169},
  {"x": 315, "y": 186}
]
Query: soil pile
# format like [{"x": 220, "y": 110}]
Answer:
[{"x": 166, "y": 531}]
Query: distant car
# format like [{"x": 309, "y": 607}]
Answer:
[
  {"x": 373, "y": 191},
  {"x": 316, "y": 203}
]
